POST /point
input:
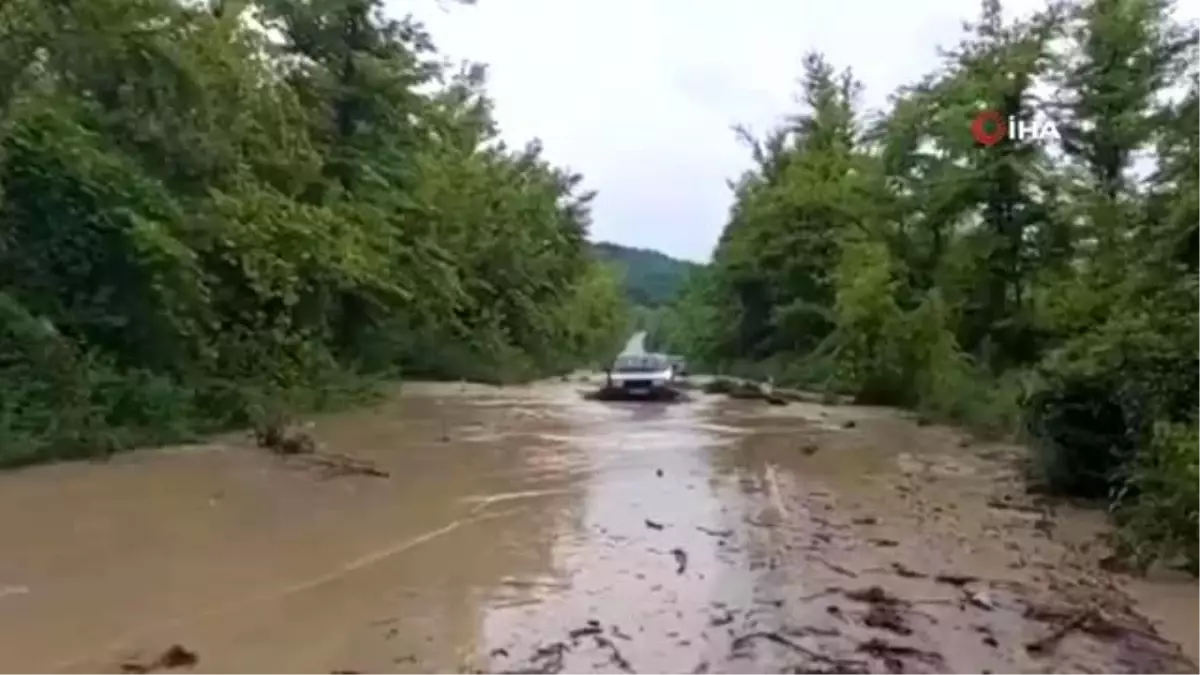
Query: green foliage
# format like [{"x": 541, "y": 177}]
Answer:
[
  {"x": 1157, "y": 509},
  {"x": 211, "y": 212},
  {"x": 1019, "y": 288},
  {"x": 869, "y": 324}
]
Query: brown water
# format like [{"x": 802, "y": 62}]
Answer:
[{"x": 526, "y": 529}]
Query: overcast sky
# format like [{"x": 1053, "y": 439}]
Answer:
[{"x": 639, "y": 95}]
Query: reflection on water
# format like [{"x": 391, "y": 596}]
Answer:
[{"x": 646, "y": 492}]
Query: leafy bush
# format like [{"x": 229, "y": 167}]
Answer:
[{"x": 1157, "y": 506}]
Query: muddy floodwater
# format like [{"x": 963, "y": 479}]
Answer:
[{"x": 525, "y": 529}]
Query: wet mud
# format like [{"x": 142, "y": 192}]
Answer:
[{"x": 526, "y": 529}]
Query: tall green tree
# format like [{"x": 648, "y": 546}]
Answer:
[{"x": 1026, "y": 286}]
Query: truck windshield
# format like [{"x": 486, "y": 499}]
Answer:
[{"x": 639, "y": 364}]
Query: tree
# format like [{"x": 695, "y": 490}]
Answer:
[
  {"x": 207, "y": 209},
  {"x": 901, "y": 261}
]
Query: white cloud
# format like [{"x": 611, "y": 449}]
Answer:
[{"x": 639, "y": 95}]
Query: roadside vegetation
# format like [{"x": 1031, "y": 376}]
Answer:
[
  {"x": 1046, "y": 291},
  {"x": 214, "y": 211}
]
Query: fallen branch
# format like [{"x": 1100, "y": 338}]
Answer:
[
  {"x": 743, "y": 641},
  {"x": 833, "y": 566},
  {"x": 882, "y": 649},
  {"x": 615, "y": 657},
  {"x": 829, "y": 590},
  {"x": 334, "y": 465},
  {"x": 1044, "y": 644}
]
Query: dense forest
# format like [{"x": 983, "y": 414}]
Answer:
[
  {"x": 1046, "y": 288},
  {"x": 649, "y": 278},
  {"x": 212, "y": 211}
]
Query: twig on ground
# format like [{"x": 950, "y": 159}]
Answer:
[{"x": 746, "y": 639}]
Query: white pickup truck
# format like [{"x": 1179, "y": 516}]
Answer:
[{"x": 642, "y": 374}]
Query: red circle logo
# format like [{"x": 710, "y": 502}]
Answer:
[{"x": 989, "y": 128}]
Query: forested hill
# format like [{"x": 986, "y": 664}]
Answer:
[
  {"x": 1021, "y": 287},
  {"x": 650, "y": 278}
]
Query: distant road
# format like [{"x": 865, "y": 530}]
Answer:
[{"x": 636, "y": 344}]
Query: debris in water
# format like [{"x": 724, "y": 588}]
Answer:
[
  {"x": 658, "y": 472},
  {"x": 865, "y": 520},
  {"x": 739, "y": 644},
  {"x": 829, "y": 590},
  {"x": 653, "y": 525},
  {"x": 1046, "y": 613},
  {"x": 805, "y": 631},
  {"x": 715, "y": 533},
  {"x": 981, "y": 600},
  {"x": 553, "y": 654},
  {"x": 833, "y": 566},
  {"x": 1089, "y": 620},
  {"x": 955, "y": 579},
  {"x": 842, "y": 667},
  {"x": 907, "y": 572},
  {"x": 891, "y": 654},
  {"x": 681, "y": 559},
  {"x": 499, "y": 652},
  {"x": 282, "y": 438},
  {"x": 175, "y": 656},
  {"x": 849, "y": 424},
  {"x": 618, "y": 633},
  {"x": 722, "y": 620},
  {"x": 577, "y": 633},
  {"x": 810, "y": 448},
  {"x": 1006, "y": 505},
  {"x": 334, "y": 465},
  {"x": 614, "y": 655},
  {"x": 1109, "y": 563},
  {"x": 886, "y": 617},
  {"x": 883, "y": 542},
  {"x": 873, "y": 595}
]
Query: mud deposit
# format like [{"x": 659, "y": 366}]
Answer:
[{"x": 528, "y": 530}]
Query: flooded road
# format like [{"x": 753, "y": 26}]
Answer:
[{"x": 525, "y": 529}]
